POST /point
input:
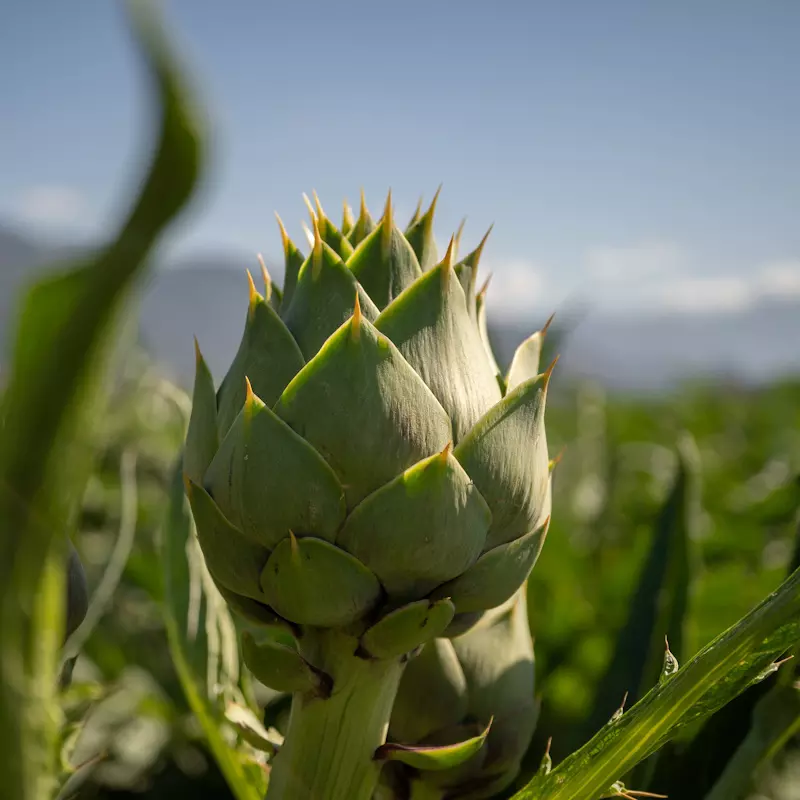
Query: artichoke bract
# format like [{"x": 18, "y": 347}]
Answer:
[{"x": 365, "y": 477}]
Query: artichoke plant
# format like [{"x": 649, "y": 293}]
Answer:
[{"x": 365, "y": 479}]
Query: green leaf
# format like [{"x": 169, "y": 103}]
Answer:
[
  {"x": 420, "y": 236},
  {"x": 268, "y": 480},
  {"x": 719, "y": 672},
  {"x": 53, "y": 385},
  {"x": 311, "y": 582},
  {"x": 201, "y": 636},
  {"x": 659, "y": 603},
  {"x": 268, "y": 355},
  {"x": 433, "y": 757},
  {"x": 430, "y": 326},
  {"x": 325, "y": 297},
  {"x": 506, "y": 456},
  {"x": 282, "y": 668},
  {"x": 361, "y": 405},
  {"x": 423, "y": 528},
  {"x": 407, "y": 627},
  {"x": 233, "y": 561},
  {"x": 384, "y": 263},
  {"x": 202, "y": 437}
]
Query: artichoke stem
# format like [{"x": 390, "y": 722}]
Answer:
[{"x": 330, "y": 742}]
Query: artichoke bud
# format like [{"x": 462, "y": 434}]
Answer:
[{"x": 360, "y": 465}]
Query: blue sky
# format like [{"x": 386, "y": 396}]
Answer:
[{"x": 645, "y": 155}]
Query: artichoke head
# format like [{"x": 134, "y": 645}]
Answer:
[{"x": 363, "y": 465}]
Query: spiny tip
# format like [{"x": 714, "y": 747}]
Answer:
[
  {"x": 254, "y": 295},
  {"x": 432, "y": 207},
  {"x": 547, "y": 324},
  {"x": 548, "y": 746},
  {"x": 387, "y": 210},
  {"x": 265, "y": 277},
  {"x": 478, "y": 252},
  {"x": 284, "y": 235},
  {"x": 624, "y": 700},
  {"x": 482, "y": 291},
  {"x": 459, "y": 232},
  {"x": 317, "y": 204},
  {"x": 666, "y": 643},
  {"x": 198, "y": 356},
  {"x": 362, "y": 208},
  {"x": 293, "y": 542},
  {"x": 549, "y": 371},
  {"x": 309, "y": 206},
  {"x": 357, "y": 312},
  {"x": 448, "y": 256},
  {"x": 249, "y": 394},
  {"x": 554, "y": 462},
  {"x": 347, "y": 212},
  {"x": 448, "y": 448},
  {"x": 309, "y": 234}
]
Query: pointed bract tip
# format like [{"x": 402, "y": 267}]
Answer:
[
  {"x": 459, "y": 233},
  {"x": 265, "y": 277},
  {"x": 624, "y": 700},
  {"x": 317, "y": 204},
  {"x": 387, "y": 210},
  {"x": 317, "y": 240},
  {"x": 312, "y": 213},
  {"x": 478, "y": 251},
  {"x": 482, "y": 291},
  {"x": 355, "y": 320},
  {"x": 293, "y": 542},
  {"x": 188, "y": 486},
  {"x": 777, "y": 664},
  {"x": 547, "y": 324},
  {"x": 362, "y": 208},
  {"x": 347, "y": 212},
  {"x": 554, "y": 462},
  {"x": 254, "y": 295},
  {"x": 666, "y": 644},
  {"x": 448, "y": 448},
  {"x": 198, "y": 356},
  {"x": 284, "y": 235},
  {"x": 432, "y": 207},
  {"x": 449, "y": 253},
  {"x": 249, "y": 394},
  {"x": 549, "y": 371},
  {"x": 548, "y": 746}
]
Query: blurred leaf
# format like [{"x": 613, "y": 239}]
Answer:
[
  {"x": 202, "y": 638},
  {"x": 658, "y": 606},
  {"x": 776, "y": 718},
  {"x": 63, "y": 333},
  {"x": 722, "y": 670}
]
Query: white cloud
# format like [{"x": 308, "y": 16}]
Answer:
[
  {"x": 634, "y": 263},
  {"x": 704, "y": 294},
  {"x": 517, "y": 288},
  {"x": 781, "y": 278},
  {"x": 56, "y": 206}
]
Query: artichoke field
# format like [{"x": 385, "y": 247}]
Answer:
[{"x": 366, "y": 480}]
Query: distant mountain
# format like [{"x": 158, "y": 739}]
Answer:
[{"x": 208, "y": 298}]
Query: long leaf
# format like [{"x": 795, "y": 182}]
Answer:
[
  {"x": 202, "y": 640},
  {"x": 720, "y": 671},
  {"x": 659, "y": 603},
  {"x": 54, "y": 383}
]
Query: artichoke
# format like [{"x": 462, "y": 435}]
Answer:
[{"x": 364, "y": 478}]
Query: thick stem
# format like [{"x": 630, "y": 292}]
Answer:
[{"x": 330, "y": 742}]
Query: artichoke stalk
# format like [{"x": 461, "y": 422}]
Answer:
[{"x": 364, "y": 481}]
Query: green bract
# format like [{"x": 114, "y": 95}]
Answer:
[{"x": 363, "y": 467}]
